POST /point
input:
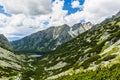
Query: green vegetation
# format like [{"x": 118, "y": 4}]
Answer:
[
  {"x": 105, "y": 47},
  {"x": 81, "y": 52},
  {"x": 82, "y": 58},
  {"x": 114, "y": 50},
  {"x": 4, "y": 43},
  {"x": 7, "y": 72},
  {"x": 107, "y": 58},
  {"x": 87, "y": 62},
  {"x": 104, "y": 73}
]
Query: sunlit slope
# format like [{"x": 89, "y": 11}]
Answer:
[{"x": 90, "y": 50}]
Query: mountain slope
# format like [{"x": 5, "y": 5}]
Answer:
[
  {"x": 4, "y": 43},
  {"x": 12, "y": 66},
  {"x": 92, "y": 49},
  {"x": 50, "y": 38},
  {"x": 9, "y": 62}
]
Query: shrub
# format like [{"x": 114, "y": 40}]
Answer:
[{"x": 87, "y": 62}]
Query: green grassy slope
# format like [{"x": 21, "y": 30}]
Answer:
[
  {"x": 96, "y": 47},
  {"x": 13, "y": 67},
  {"x": 101, "y": 73},
  {"x": 4, "y": 43}
]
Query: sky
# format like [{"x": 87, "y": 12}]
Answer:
[{"x": 19, "y": 18}]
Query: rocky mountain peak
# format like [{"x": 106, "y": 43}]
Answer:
[{"x": 50, "y": 38}]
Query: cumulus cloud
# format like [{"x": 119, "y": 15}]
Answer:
[
  {"x": 93, "y": 11},
  {"x": 76, "y": 4},
  {"x": 58, "y": 14},
  {"x": 28, "y": 7},
  {"x": 96, "y": 11},
  {"x": 20, "y": 25}
]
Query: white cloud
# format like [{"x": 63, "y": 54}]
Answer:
[
  {"x": 58, "y": 14},
  {"x": 24, "y": 24},
  {"x": 28, "y": 7},
  {"x": 96, "y": 11},
  {"x": 19, "y": 23},
  {"x": 76, "y": 4},
  {"x": 93, "y": 11}
]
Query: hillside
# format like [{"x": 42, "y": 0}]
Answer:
[
  {"x": 93, "y": 55},
  {"x": 12, "y": 66},
  {"x": 97, "y": 48},
  {"x": 4, "y": 43},
  {"x": 49, "y": 39},
  {"x": 59, "y": 39}
]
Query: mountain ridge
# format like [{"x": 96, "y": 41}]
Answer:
[
  {"x": 90, "y": 50},
  {"x": 50, "y": 38},
  {"x": 94, "y": 54}
]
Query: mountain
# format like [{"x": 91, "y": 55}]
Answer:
[
  {"x": 49, "y": 39},
  {"x": 117, "y": 15},
  {"x": 4, "y": 43},
  {"x": 9, "y": 62},
  {"x": 93, "y": 55},
  {"x": 12, "y": 66},
  {"x": 110, "y": 19}
]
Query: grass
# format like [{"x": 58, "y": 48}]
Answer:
[
  {"x": 101, "y": 73},
  {"x": 76, "y": 47},
  {"x": 87, "y": 62},
  {"x": 7, "y": 72},
  {"x": 105, "y": 47},
  {"x": 107, "y": 58},
  {"x": 114, "y": 50}
]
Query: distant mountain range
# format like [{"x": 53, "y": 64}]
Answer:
[{"x": 49, "y": 39}]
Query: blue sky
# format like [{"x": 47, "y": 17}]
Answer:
[
  {"x": 18, "y": 19},
  {"x": 2, "y": 11},
  {"x": 68, "y": 6}
]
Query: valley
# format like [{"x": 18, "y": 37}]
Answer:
[{"x": 64, "y": 53}]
